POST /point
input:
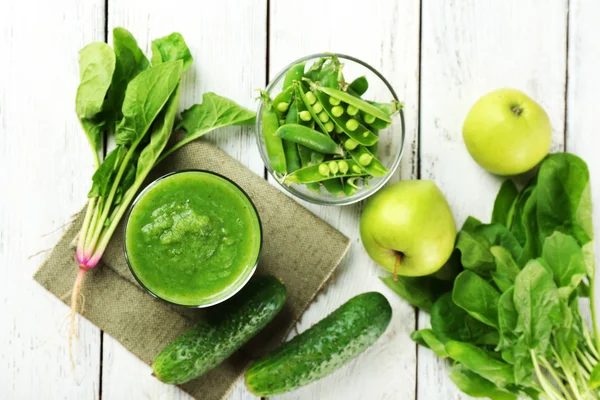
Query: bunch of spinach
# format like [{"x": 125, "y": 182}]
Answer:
[
  {"x": 505, "y": 309},
  {"x": 124, "y": 95}
]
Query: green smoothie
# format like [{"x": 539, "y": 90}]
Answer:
[{"x": 193, "y": 238}]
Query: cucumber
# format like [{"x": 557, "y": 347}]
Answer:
[
  {"x": 322, "y": 349},
  {"x": 228, "y": 328}
]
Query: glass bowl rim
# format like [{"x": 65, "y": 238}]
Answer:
[
  {"x": 342, "y": 201},
  {"x": 154, "y": 183}
]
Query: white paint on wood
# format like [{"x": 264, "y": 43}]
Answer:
[
  {"x": 385, "y": 36},
  {"x": 45, "y": 170},
  {"x": 228, "y": 42},
  {"x": 468, "y": 49}
]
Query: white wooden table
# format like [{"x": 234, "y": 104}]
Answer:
[{"x": 439, "y": 55}]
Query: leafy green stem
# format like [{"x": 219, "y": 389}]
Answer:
[
  {"x": 548, "y": 388},
  {"x": 91, "y": 206},
  {"x": 593, "y": 311},
  {"x": 556, "y": 378}
]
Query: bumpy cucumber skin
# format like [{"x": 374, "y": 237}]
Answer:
[
  {"x": 322, "y": 349},
  {"x": 205, "y": 346}
]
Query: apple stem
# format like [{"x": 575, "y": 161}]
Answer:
[
  {"x": 517, "y": 110},
  {"x": 396, "y": 267}
]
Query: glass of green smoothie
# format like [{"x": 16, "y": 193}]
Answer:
[{"x": 193, "y": 238}]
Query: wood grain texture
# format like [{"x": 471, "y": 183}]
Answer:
[
  {"x": 228, "y": 42},
  {"x": 468, "y": 49},
  {"x": 386, "y": 37},
  {"x": 583, "y": 87},
  {"x": 45, "y": 168}
]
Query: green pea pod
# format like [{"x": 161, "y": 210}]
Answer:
[
  {"x": 274, "y": 145},
  {"x": 315, "y": 68},
  {"x": 356, "y": 102},
  {"x": 334, "y": 186},
  {"x": 331, "y": 73},
  {"x": 340, "y": 120},
  {"x": 374, "y": 168},
  {"x": 349, "y": 189},
  {"x": 388, "y": 108},
  {"x": 374, "y": 148},
  {"x": 310, "y": 138},
  {"x": 300, "y": 94},
  {"x": 359, "y": 86},
  {"x": 285, "y": 97},
  {"x": 294, "y": 73},
  {"x": 292, "y": 158},
  {"x": 312, "y": 174}
]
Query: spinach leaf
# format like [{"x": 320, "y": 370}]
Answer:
[
  {"x": 145, "y": 97},
  {"x": 499, "y": 235},
  {"x": 161, "y": 131},
  {"x": 475, "y": 253},
  {"x": 564, "y": 200},
  {"x": 507, "y": 319},
  {"x": 536, "y": 301},
  {"x": 533, "y": 239},
  {"x": 470, "y": 224},
  {"x": 565, "y": 258},
  {"x": 481, "y": 362},
  {"x": 420, "y": 292},
  {"x": 517, "y": 226},
  {"x": 96, "y": 68},
  {"x": 427, "y": 338},
  {"x": 105, "y": 173},
  {"x": 130, "y": 61},
  {"x": 450, "y": 322},
  {"x": 214, "y": 112},
  {"x": 506, "y": 268},
  {"x": 504, "y": 204},
  {"x": 477, "y": 297},
  {"x": 475, "y": 385},
  {"x": 171, "y": 48}
]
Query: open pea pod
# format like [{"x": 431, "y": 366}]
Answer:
[
  {"x": 281, "y": 102},
  {"x": 322, "y": 172},
  {"x": 334, "y": 186},
  {"x": 356, "y": 102},
  {"x": 366, "y": 160},
  {"x": 302, "y": 95},
  {"x": 389, "y": 108},
  {"x": 360, "y": 134},
  {"x": 359, "y": 86}
]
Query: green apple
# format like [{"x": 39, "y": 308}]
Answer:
[
  {"x": 507, "y": 132},
  {"x": 408, "y": 228}
]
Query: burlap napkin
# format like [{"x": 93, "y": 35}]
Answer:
[{"x": 299, "y": 248}]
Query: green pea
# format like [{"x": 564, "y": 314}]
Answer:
[
  {"x": 338, "y": 129},
  {"x": 333, "y": 101},
  {"x": 317, "y": 107},
  {"x": 350, "y": 144},
  {"x": 365, "y": 159},
  {"x": 329, "y": 126},
  {"x": 342, "y": 166},
  {"x": 323, "y": 170},
  {"x": 333, "y": 167},
  {"x": 356, "y": 169},
  {"x": 337, "y": 111},
  {"x": 305, "y": 116},
  {"x": 323, "y": 117},
  {"x": 311, "y": 98},
  {"x": 352, "y": 125},
  {"x": 366, "y": 134},
  {"x": 368, "y": 118},
  {"x": 283, "y": 106},
  {"x": 351, "y": 110}
]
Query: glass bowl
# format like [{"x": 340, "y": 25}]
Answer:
[
  {"x": 241, "y": 280},
  {"x": 391, "y": 139}
]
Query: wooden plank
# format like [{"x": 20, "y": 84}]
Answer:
[
  {"x": 45, "y": 170},
  {"x": 386, "y": 37},
  {"x": 468, "y": 49},
  {"x": 583, "y": 84},
  {"x": 228, "y": 42}
]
